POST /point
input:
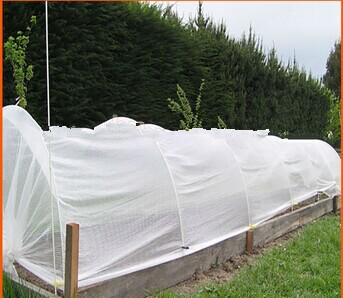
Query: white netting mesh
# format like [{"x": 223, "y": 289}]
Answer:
[
  {"x": 27, "y": 233},
  {"x": 141, "y": 194}
]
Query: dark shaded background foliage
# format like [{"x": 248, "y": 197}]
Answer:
[{"x": 126, "y": 59}]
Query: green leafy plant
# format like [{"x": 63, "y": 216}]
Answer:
[
  {"x": 333, "y": 128},
  {"x": 221, "y": 123},
  {"x": 15, "y": 54},
  {"x": 284, "y": 134},
  {"x": 191, "y": 119}
]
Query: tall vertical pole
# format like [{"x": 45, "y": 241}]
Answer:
[
  {"x": 47, "y": 60},
  {"x": 48, "y": 104}
]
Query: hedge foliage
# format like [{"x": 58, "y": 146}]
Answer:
[{"x": 126, "y": 59}]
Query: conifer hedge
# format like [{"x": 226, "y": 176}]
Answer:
[{"x": 126, "y": 59}]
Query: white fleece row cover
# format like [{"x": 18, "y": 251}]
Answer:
[{"x": 143, "y": 195}]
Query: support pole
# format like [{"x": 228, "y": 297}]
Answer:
[
  {"x": 250, "y": 241},
  {"x": 71, "y": 261},
  {"x": 47, "y": 60}
]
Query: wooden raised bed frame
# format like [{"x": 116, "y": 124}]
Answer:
[{"x": 138, "y": 284}]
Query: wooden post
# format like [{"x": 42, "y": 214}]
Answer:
[
  {"x": 250, "y": 241},
  {"x": 334, "y": 205},
  {"x": 71, "y": 261}
]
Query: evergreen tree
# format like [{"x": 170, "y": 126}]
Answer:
[{"x": 332, "y": 77}]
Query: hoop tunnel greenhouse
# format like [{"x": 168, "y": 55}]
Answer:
[{"x": 143, "y": 195}]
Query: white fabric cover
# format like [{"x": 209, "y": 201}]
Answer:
[
  {"x": 115, "y": 122},
  {"x": 143, "y": 195},
  {"x": 27, "y": 210}
]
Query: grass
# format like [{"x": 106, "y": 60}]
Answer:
[
  {"x": 12, "y": 290},
  {"x": 308, "y": 266}
]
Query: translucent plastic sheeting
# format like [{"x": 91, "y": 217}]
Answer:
[{"x": 143, "y": 195}]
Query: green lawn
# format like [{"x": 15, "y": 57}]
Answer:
[{"x": 308, "y": 266}]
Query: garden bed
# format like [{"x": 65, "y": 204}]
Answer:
[{"x": 229, "y": 254}]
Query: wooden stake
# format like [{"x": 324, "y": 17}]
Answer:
[
  {"x": 334, "y": 205},
  {"x": 250, "y": 241},
  {"x": 71, "y": 261}
]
